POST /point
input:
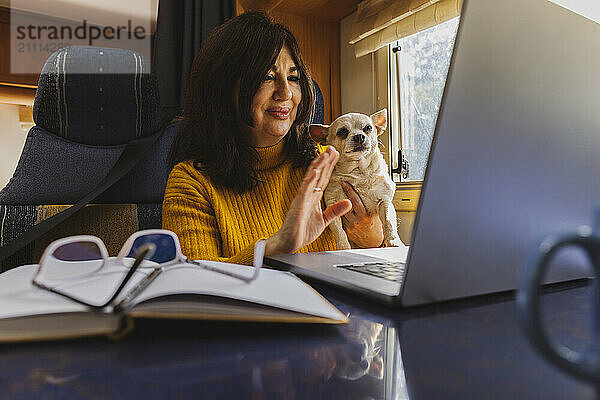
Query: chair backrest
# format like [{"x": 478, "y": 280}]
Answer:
[{"x": 89, "y": 103}]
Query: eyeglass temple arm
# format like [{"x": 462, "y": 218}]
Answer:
[
  {"x": 138, "y": 260},
  {"x": 141, "y": 255},
  {"x": 259, "y": 255},
  {"x": 132, "y": 294},
  {"x": 58, "y": 292}
]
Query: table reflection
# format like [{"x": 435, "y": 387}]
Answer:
[
  {"x": 359, "y": 361},
  {"x": 463, "y": 350},
  {"x": 175, "y": 359}
]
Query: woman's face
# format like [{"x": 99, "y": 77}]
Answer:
[{"x": 275, "y": 103}]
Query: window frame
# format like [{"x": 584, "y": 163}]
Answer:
[{"x": 392, "y": 103}]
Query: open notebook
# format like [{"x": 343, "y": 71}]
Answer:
[{"x": 181, "y": 291}]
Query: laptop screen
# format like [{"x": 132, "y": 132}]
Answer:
[{"x": 514, "y": 156}]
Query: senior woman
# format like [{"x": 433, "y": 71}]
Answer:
[{"x": 246, "y": 170}]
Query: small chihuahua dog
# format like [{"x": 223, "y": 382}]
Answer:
[
  {"x": 360, "y": 354},
  {"x": 361, "y": 164}
]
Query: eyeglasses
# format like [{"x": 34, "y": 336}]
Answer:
[{"x": 79, "y": 268}]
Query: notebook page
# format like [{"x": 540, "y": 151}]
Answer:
[
  {"x": 271, "y": 288},
  {"x": 18, "y": 297}
]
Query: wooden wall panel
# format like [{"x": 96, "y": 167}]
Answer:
[
  {"x": 319, "y": 44},
  {"x": 30, "y": 80},
  {"x": 4, "y": 41},
  {"x": 330, "y": 10},
  {"x": 319, "y": 41},
  {"x": 335, "y": 65},
  {"x": 16, "y": 95}
]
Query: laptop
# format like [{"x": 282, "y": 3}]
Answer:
[{"x": 515, "y": 157}]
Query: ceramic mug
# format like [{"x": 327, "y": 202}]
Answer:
[{"x": 586, "y": 364}]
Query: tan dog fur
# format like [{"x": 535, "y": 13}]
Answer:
[{"x": 362, "y": 165}]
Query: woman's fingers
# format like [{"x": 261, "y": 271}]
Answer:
[
  {"x": 357, "y": 204},
  {"x": 336, "y": 210},
  {"x": 311, "y": 179},
  {"x": 318, "y": 174},
  {"x": 331, "y": 161}
]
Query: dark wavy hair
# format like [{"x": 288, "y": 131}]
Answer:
[{"x": 226, "y": 73}]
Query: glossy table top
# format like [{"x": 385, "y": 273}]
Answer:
[{"x": 471, "y": 349}]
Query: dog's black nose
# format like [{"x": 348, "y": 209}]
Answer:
[{"x": 358, "y": 138}]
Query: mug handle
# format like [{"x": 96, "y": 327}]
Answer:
[{"x": 584, "y": 365}]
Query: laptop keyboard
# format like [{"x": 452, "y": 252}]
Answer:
[{"x": 392, "y": 271}]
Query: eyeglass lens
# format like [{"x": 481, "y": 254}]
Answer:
[
  {"x": 78, "y": 251},
  {"x": 73, "y": 260},
  {"x": 165, "y": 247}
]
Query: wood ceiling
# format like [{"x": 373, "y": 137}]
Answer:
[{"x": 331, "y": 10}]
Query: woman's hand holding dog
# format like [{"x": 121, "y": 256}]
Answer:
[
  {"x": 305, "y": 219},
  {"x": 363, "y": 229}
]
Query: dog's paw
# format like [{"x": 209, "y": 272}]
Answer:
[{"x": 396, "y": 242}]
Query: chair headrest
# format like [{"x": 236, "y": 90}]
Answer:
[
  {"x": 317, "y": 115},
  {"x": 97, "y": 96}
]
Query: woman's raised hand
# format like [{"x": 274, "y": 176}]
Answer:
[{"x": 305, "y": 219}]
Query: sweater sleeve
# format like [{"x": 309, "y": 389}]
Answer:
[{"x": 190, "y": 215}]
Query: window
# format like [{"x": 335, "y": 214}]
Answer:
[{"x": 418, "y": 68}]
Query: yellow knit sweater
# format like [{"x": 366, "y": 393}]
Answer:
[{"x": 216, "y": 223}]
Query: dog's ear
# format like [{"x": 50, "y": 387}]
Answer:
[
  {"x": 379, "y": 119},
  {"x": 319, "y": 132}
]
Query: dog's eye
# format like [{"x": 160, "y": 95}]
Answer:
[
  {"x": 367, "y": 128},
  {"x": 343, "y": 133}
]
